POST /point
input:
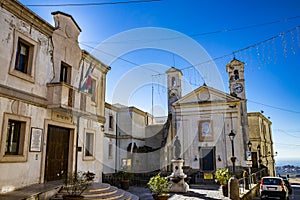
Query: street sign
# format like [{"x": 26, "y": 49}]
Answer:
[
  {"x": 248, "y": 155},
  {"x": 249, "y": 163}
]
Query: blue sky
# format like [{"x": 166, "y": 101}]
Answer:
[{"x": 271, "y": 68}]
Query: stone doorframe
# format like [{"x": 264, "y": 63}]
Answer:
[{"x": 72, "y": 146}]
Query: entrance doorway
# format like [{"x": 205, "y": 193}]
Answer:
[
  {"x": 207, "y": 159},
  {"x": 57, "y": 153}
]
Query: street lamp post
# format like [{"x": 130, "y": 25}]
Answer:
[
  {"x": 250, "y": 160},
  {"x": 258, "y": 151},
  {"x": 233, "y": 158}
]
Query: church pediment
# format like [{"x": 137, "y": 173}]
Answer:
[{"x": 206, "y": 94}]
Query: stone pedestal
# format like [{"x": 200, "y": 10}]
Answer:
[
  {"x": 233, "y": 190},
  {"x": 176, "y": 179}
]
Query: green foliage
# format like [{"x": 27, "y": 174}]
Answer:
[
  {"x": 158, "y": 184},
  {"x": 76, "y": 183},
  {"x": 222, "y": 176},
  {"x": 123, "y": 175}
]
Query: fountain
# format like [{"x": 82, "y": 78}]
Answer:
[{"x": 176, "y": 179}]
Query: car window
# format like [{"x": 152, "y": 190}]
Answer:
[{"x": 271, "y": 181}]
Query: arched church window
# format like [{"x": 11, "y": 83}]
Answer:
[
  {"x": 173, "y": 81},
  {"x": 236, "y": 74}
]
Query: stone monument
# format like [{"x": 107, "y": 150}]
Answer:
[{"x": 176, "y": 179}]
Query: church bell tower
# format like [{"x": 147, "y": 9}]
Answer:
[
  {"x": 235, "y": 70},
  {"x": 174, "y": 77}
]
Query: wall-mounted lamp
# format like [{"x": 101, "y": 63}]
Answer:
[
  {"x": 249, "y": 145},
  {"x": 102, "y": 128},
  {"x": 195, "y": 159},
  {"x": 219, "y": 158}
]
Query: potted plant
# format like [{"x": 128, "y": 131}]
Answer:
[
  {"x": 222, "y": 177},
  {"x": 124, "y": 179},
  {"x": 159, "y": 187},
  {"x": 76, "y": 183}
]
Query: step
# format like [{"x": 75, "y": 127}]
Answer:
[
  {"x": 117, "y": 195},
  {"x": 97, "y": 193},
  {"x": 35, "y": 191}
]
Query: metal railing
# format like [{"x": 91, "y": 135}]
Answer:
[{"x": 247, "y": 183}]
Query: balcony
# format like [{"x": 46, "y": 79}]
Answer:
[{"x": 64, "y": 97}]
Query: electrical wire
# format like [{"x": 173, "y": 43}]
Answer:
[
  {"x": 117, "y": 57},
  {"x": 212, "y": 32},
  {"x": 91, "y": 4},
  {"x": 274, "y": 107},
  {"x": 286, "y": 133}
]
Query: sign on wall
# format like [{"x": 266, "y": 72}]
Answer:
[{"x": 36, "y": 139}]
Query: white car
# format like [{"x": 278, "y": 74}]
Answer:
[{"x": 273, "y": 187}]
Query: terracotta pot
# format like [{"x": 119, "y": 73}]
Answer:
[
  {"x": 225, "y": 190},
  {"x": 160, "y": 197},
  {"x": 125, "y": 184},
  {"x": 71, "y": 197}
]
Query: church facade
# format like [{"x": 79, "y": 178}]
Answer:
[{"x": 203, "y": 120}]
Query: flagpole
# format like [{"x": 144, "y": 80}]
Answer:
[{"x": 78, "y": 119}]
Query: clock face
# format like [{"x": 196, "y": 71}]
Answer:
[{"x": 237, "y": 88}]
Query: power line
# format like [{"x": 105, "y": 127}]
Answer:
[
  {"x": 275, "y": 107},
  {"x": 91, "y": 4},
  {"x": 210, "y": 32},
  {"x": 120, "y": 58},
  {"x": 298, "y": 145},
  {"x": 286, "y": 133}
]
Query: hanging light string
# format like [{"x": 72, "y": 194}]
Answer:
[{"x": 256, "y": 45}]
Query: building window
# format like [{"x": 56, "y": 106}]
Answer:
[
  {"x": 65, "y": 73},
  {"x": 15, "y": 134},
  {"x": 14, "y": 144},
  {"x": 111, "y": 122},
  {"x": 110, "y": 150},
  {"x": 92, "y": 90},
  {"x": 22, "y": 57},
  {"x": 89, "y": 144}
]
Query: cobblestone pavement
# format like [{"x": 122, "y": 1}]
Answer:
[{"x": 208, "y": 192}]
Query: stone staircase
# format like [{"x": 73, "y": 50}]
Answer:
[{"x": 101, "y": 191}]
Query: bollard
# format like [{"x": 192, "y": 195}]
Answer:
[{"x": 233, "y": 190}]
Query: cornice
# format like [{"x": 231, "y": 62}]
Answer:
[
  {"x": 27, "y": 15},
  {"x": 15, "y": 94}
]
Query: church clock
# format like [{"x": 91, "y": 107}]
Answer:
[{"x": 237, "y": 88}]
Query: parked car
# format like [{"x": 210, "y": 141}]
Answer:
[
  {"x": 273, "y": 187},
  {"x": 287, "y": 183}
]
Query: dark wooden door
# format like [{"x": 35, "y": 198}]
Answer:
[
  {"x": 207, "y": 161},
  {"x": 254, "y": 159},
  {"x": 57, "y": 153}
]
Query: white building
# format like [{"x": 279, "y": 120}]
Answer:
[
  {"x": 203, "y": 119},
  {"x": 51, "y": 99},
  {"x": 131, "y": 140}
]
